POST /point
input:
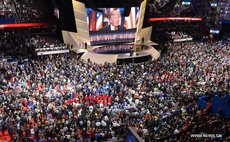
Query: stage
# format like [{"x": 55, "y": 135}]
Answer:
[
  {"x": 119, "y": 53},
  {"x": 124, "y": 40}
]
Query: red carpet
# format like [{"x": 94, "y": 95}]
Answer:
[{"x": 4, "y": 137}]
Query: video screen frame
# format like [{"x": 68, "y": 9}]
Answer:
[
  {"x": 103, "y": 30},
  {"x": 98, "y": 19}
]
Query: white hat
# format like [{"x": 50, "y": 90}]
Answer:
[
  {"x": 98, "y": 123},
  {"x": 103, "y": 123}
]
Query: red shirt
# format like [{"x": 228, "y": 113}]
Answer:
[
  {"x": 90, "y": 98},
  {"x": 87, "y": 103}
]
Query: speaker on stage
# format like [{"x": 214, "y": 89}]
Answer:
[
  {"x": 142, "y": 43},
  {"x": 85, "y": 45},
  {"x": 131, "y": 52}
]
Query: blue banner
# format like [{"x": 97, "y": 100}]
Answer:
[
  {"x": 225, "y": 21},
  {"x": 7, "y": 20}
]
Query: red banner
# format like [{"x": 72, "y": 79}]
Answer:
[
  {"x": 23, "y": 25},
  {"x": 175, "y": 18}
]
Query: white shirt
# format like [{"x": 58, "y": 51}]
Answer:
[{"x": 112, "y": 28}]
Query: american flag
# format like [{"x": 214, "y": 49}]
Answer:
[
  {"x": 100, "y": 19},
  {"x": 132, "y": 20}
]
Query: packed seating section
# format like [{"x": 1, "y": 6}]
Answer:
[
  {"x": 24, "y": 11},
  {"x": 61, "y": 97},
  {"x": 6, "y": 9}
]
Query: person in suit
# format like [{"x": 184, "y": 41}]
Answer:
[{"x": 114, "y": 20}]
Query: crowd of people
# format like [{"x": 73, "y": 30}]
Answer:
[
  {"x": 166, "y": 8},
  {"x": 46, "y": 43},
  {"x": 183, "y": 10},
  {"x": 63, "y": 98},
  {"x": 212, "y": 12},
  {"x": 224, "y": 9},
  {"x": 29, "y": 11},
  {"x": 6, "y": 9},
  {"x": 24, "y": 11},
  {"x": 155, "y": 6},
  {"x": 194, "y": 29},
  {"x": 25, "y": 41},
  {"x": 179, "y": 35},
  {"x": 12, "y": 42}
]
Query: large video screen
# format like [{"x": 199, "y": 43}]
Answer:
[
  {"x": 105, "y": 19},
  {"x": 109, "y": 25}
]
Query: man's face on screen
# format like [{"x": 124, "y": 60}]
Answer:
[{"x": 115, "y": 19}]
